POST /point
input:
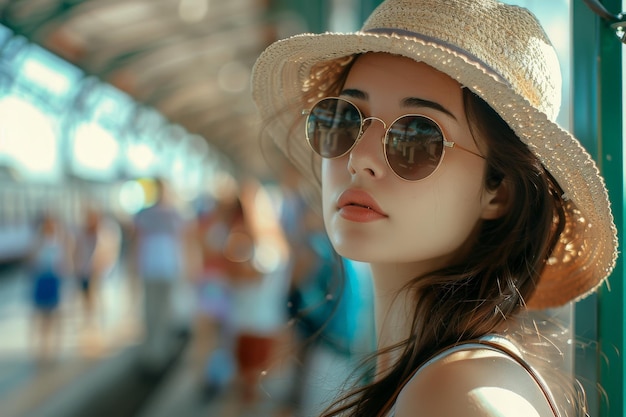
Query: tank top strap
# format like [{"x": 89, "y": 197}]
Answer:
[
  {"x": 506, "y": 347},
  {"x": 498, "y": 344}
]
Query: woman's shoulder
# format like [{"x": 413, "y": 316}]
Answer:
[{"x": 473, "y": 381}]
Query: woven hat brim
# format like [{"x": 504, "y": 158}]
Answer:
[{"x": 588, "y": 249}]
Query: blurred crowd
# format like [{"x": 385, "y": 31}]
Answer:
[{"x": 246, "y": 271}]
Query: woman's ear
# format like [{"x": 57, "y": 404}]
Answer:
[{"x": 496, "y": 202}]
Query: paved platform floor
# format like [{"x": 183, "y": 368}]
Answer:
[
  {"x": 91, "y": 356},
  {"x": 28, "y": 381}
]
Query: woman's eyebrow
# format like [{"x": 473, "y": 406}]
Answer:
[
  {"x": 354, "y": 93},
  {"x": 407, "y": 102},
  {"x": 420, "y": 102}
]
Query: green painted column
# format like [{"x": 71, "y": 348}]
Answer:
[
  {"x": 367, "y": 7},
  {"x": 585, "y": 127},
  {"x": 315, "y": 13},
  {"x": 611, "y": 151},
  {"x": 597, "y": 110}
]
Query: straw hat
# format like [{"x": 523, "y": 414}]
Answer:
[{"x": 502, "y": 54}]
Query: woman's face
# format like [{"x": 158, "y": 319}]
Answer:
[{"x": 372, "y": 215}]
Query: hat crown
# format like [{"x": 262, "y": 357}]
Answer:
[{"x": 508, "y": 40}]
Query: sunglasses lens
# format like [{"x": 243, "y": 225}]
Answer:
[
  {"x": 414, "y": 147},
  {"x": 332, "y": 127}
]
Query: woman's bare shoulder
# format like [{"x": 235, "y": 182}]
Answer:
[{"x": 473, "y": 383}]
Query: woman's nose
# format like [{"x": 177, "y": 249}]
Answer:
[{"x": 367, "y": 156}]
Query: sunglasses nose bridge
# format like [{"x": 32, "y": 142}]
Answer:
[{"x": 367, "y": 122}]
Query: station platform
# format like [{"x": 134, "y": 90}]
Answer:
[
  {"x": 87, "y": 350},
  {"x": 96, "y": 373}
]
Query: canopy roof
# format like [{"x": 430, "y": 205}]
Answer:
[{"x": 188, "y": 59}]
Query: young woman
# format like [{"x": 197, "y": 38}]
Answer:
[{"x": 431, "y": 132}]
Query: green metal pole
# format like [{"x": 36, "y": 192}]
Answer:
[
  {"x": 597, "y": 110},
  {"x": 611, "y": 312},
  {"x": 315, "y": 13},
  {"x": 585, "y": 127},
  {"x": 367, "y": 7}
]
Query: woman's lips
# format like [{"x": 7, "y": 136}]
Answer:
[{"x": 358, "y": 206}]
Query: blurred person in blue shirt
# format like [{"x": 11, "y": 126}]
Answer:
[{"x": 159, "y": 239}]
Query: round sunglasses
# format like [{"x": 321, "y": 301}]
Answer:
[{"x": 414, "y": 144}]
